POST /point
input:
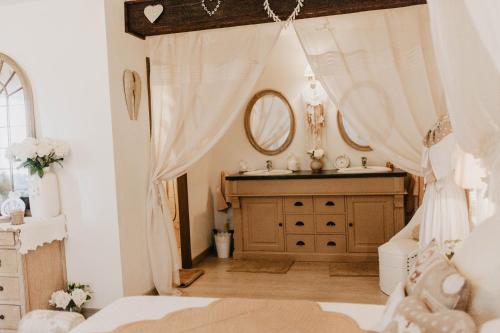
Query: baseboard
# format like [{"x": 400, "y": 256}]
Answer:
[{"x": 202, "y": 256}]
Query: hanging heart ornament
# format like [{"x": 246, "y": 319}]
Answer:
[
  {"x": 211, "y": 12},
  {"x": 152, "y": 13},
  {"x": 292, "y": 17}
]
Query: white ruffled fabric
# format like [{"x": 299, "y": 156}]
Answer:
[{"x": 36, "y": 232}]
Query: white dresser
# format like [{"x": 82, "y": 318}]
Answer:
[{"x": 32, "y": 267}]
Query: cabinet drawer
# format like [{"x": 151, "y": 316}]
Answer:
[
  {"x": 300, "y": 224},
  {"x": 9, "y": 316},
  {"x": 329, "y": 205},
  {"x": 299, "y": 205},
  {"x": 8, "y": 261},
  {"x": 331, "y": 244},
  {"x": 7, "y": 239},
  {"x": 330, "y": 224},
  {"x": 300, "y": 243},
  {"x": 9, "y": 289}
]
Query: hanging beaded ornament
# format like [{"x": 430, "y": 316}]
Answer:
[{"x": 276, "y": 18}]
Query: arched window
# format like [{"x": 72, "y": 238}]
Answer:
[{"x": 16, "y": 123}]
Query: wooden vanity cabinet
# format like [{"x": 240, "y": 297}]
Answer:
[{"x": 332, "y": 219}]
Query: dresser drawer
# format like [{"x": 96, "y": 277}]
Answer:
[
  {"x": 329, "y": 205},
  {"x": 300, "y": 243},
  {"x": 8, "y": 261},
  {"x": 330, "y": 224},
  {"x": 7, "y": 239},
  {"x": 299, "y": 205},
  {"x": 9, "y": 289},
  {"x": 10, "y": 315},
  {"x": 300, "y": 224},
  {"x": 331, "y": 244}
]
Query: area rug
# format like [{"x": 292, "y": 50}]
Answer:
[
  {"x": 249, "y": 316},
  {"x": 354, "y": 269},
  {"x": 188, "y": 276},
  {"x": 261, "y": 266}
]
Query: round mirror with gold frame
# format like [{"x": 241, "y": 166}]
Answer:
[
  {"x": 269, "y": 122},
  {"x": 350, "y": 136}
]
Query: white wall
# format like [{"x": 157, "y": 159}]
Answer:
[
  {"x": 284, "y": 73},
  {"x": 62, "y": 48},
  {"x": 131, "y": 147}
]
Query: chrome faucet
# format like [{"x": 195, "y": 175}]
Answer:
[
  {"x": 269, "y": 165},
  {"x": 364, "y": 162}
]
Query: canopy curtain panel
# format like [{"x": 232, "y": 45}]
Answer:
[
  {"x": 379, "y": 68},
  {"x": 199, "y": 82},
  {"x": 467, "y": 41}
]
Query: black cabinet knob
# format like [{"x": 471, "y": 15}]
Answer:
[
  {"x": 298, "y": 204},
  {"x": 331, "y": 243},
  {"x": 331, "y": 224},
  {"x": 330, "y": 204},
  {"x": 1, "y": 288},
  {"x": 2, "y": 317},
  {"x": 299, "y": 224},
  {"x": 351, "y": 225},
  {"x": 281, "y": 224},
  {"x": 300, "y": 243}
]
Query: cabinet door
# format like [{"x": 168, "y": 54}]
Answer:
[
  {"x": 262, "y": 220},
  {"x": 370, "y": 222}
]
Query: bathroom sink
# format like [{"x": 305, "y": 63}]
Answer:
[
  {"x": 369, "y": 169},
  {"x": 274, "y": 172}
]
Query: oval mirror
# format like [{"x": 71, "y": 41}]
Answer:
[
  {"x": 350, "y": 136},
  {"x": 269, "y": 122}
]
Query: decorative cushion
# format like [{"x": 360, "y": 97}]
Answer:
[
  {"x": 478, "y": 260},
  {"x": 492, "y": 326},
  {"x": 390, "y": 307},
  {"x": 415, "y": 233},
  {"x": 413, "y": 316},
  {"x": 46, "y": 321},
  {"x": 444, "y": 284},
  {"x": 425, "y": 260}
]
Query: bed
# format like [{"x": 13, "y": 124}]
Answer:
[{"x": 133, "y": 309}]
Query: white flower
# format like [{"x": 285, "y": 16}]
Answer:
[
  {"x": 79, "y": 296},
  {"x": 60, "y": 299},
  {"x": 319, "y": 153},
  {"x": 44, "y": 149},
  {"x": 61, "y": 149}
]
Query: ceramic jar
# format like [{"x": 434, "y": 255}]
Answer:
[
  {"x": 44, "y": 195},
  {"x": 316, "y": 165}
]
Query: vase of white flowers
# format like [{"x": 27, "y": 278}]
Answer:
[
  {"x": 37, "y": 156},
  {"x": 316, "y": 159},
  {"x": 72, "y": 298}
]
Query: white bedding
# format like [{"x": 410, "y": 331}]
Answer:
[{"x": 132, "y": 309}]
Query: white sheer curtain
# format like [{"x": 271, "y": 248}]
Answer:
[
  {"x": 467, "y": 41},
  {"x": 199, "y": 83},
  {"x": 379, "y": 68}
]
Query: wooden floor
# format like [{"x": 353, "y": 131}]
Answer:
[{"x": 309, "y": 281}]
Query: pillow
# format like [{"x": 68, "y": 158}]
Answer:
[
  {"x": 412, "y": 316},
  {"x": 390, "y": 307},
  {"x": 415, "y": 233},
  {"x": 443, "y": 286},
  {"x": 478, "y": 259},
  {"x": 425, "y": 260},
  {"x": 492, "y": 326}
]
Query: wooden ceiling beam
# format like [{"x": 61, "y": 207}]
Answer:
[{"x": 188, "y": 15}]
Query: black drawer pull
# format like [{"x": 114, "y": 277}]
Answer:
[
  {"x": 2, "y": 317},
  {"x": 281, "y": 224},
  {"x": 1, "y": 288},
  {"x": 351, "y": 225},
  {"x": 331, "y": 243},
  {"x": 298, "y": 204},
  {"x": 330, "y": 204},
  {"x": 299, "y": 224},
  {"x": 331, "y": 224},
  {"x": 300, "y": 243}
]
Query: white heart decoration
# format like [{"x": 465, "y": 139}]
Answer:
[{"x": 153, "y": 12}]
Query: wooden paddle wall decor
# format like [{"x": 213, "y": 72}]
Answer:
[{"x": 189, "y": 15}]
